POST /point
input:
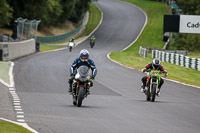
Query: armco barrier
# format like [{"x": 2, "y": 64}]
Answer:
[
  {"x": 62, "y": 37},
  {"x": 177, "y": 59},
  {"x": 14, "y": 50}
]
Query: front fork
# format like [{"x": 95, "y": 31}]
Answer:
[
  {"x": 76, "y": 85},
  {"x": 150, "y": 84}
]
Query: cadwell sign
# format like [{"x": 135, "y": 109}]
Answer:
[{"x": 189, "y": 24}]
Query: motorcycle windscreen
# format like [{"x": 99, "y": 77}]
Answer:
[{"x": 83, "y": 72}]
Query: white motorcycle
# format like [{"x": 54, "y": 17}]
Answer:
[{"x": 71, "y": 45}]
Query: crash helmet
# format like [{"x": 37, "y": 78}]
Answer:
[
  {"x": 156, "y": 63},
  {"x": 84, "y": 55}
]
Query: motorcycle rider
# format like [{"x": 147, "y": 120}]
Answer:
[
  {"x": 72, "y": 39},
  {"x": 92, "y": 38},
  {"x": 155, "y": 65},
  {"x": 83, "y": 59}
]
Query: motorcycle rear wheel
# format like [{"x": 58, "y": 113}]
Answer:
[{"x": 70, "y": 49}]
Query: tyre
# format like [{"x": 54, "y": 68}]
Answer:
[
  {"x": 74, "y": 103},
  {"x": 70, "y": 49},
  {"x": 81, "y": 94},
  {"x": 153, "y": 92}
]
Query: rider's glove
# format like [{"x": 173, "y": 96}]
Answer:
[
  {"x": 143, "y": 70},
  {"x": 92, "y": 77},
  {"x": 72, "y": 75},
  {"x": 165, "y": 73}
]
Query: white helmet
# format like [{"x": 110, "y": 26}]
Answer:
[
  {"x": 156, "y": 63},
  {"x": 84, "y": 55}
]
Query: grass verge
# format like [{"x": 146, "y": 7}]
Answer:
[
  {"x": 6, "y": 127},
  {"x": 94, "y": 20},
  {"x": 4, "y": 71},
  {"x": 44, "y": 48},
  {"x": 152, "y": 37}
]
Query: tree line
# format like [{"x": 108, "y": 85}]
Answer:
[{"x": 50, "y": 12}]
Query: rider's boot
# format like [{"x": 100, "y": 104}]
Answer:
[
  {"x": 90, "y": 84},
  {"x": 70, "y": 85},
  {"x": 70, "y": 89},
  {"x": 158, "y": 92},
  {"x": 143, "y": 88}
]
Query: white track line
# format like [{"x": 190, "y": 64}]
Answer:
[
  {"x": 108, "y": 55},
  {"x": 16, "y": 102}
]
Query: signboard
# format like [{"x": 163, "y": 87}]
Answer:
[{"x": 189, "y": 24}]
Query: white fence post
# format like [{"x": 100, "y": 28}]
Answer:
[
  {"x": 163, "y": 56},
  {"x": 182, "y": 60},
  {"x": 159, "y": 55},
  {"x": 153, "y": 53},
  {"x": 193, "y": 63},
  {"x": 143, "y": 52},
  {"x": 186, "y": 61},
  {"x": 167, "y": 57},
  {"x": 177, "y": 59},
  {"x": 198, "y": 64},
  {"x": 172, "y": 58}
]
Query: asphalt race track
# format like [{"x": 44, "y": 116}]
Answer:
[{"x": 115, "y": 104}]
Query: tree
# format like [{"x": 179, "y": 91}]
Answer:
[
  {"x": 46, "y": 10},
  {"x": 5, "y": 13},
  {"x": 81, "y": 6},
  {"x": 50, "y": 12},
  {"x": 190, "y": 7}
]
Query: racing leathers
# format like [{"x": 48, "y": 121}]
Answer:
[
  {"x": 152, "y": 67},
  {"x": 76, "y": 64}
]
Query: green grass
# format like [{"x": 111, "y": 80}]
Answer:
[
  {"x": 194, "y": 55},
  {"x": 4, "y": 70},
  {"x": 152, "y": 37},
  {"x": 44, "y": 48},
  {"x": 6, "y": 127},
  {"x": 94, "y": 19}
]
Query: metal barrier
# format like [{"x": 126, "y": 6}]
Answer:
[
  {"x": 143, "y": 52},
  {"x": 62, "y": 37},
  {"x": 177, "y": 59},
  {"x": 27, "y": 29}
]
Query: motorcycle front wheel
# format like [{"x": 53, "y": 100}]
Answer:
[
  {"x": 153, "y": 92},
  {"x": 81, "y": 94}
]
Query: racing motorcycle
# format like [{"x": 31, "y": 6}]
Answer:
[
  {"x": 92, "y": 42},
  {"x": 81, "y": 83},
  {"x": 153, "y": 81},
  {"x": 71, "y": 45}
]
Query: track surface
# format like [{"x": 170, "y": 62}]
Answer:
[{"x": 115, "y": 104}]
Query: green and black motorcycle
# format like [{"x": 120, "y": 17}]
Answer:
[{"x": 153, "y": 81}]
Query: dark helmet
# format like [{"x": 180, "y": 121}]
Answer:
[{"x": 156, "y": 63}]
